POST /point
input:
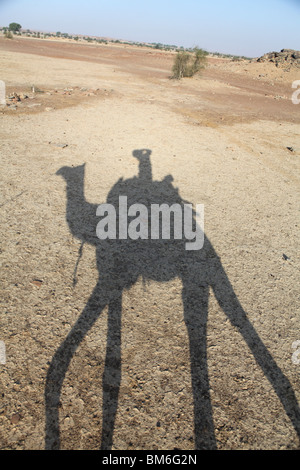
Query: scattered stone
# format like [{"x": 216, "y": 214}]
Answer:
[
  {"x": 59, "y": 145},
  {"x": 14, "y": 97},
  {"x": 15, "y": 418},
  {"x": 33, "y": 105},
  {"x": 37, "y": 282}
]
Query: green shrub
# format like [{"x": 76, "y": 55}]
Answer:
[
  {"x": 8, "y": 34},
  {"x": 187, "y": 64},
  {"x": 180, "y": 65}
]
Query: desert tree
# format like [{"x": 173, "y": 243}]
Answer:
[
  {"x": 187, "y": 64},
  {"x": 14, "y": 27}
]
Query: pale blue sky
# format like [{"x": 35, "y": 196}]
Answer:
[{"x": 241, "y": 27}]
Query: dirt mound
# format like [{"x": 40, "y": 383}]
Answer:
[{"x": 286, "y": 57}]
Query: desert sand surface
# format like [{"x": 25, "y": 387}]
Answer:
[{"x": 174, "y": 349}]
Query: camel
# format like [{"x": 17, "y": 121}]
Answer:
[{"x": 120, "y": 263}]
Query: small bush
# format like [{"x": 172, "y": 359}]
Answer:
[
  {"x": 180, "y": 65},
  {"x": 187, "y": 64},
  {"x": 8, "y": 34}
]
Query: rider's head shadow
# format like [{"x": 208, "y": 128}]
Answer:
[{"x": 132, "y": 253}]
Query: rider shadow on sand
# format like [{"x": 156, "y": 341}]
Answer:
[{"x": 120, "y": 263}]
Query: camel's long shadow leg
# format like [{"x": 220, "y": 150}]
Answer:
[
  {"x": 229, "y": 303},
  {"x": 112, "y": 372},
  {"x": 62, "y": 358},
  {"x": 195, "y": 303}
]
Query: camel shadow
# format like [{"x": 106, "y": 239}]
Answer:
[{"x": 120, "y": 262}]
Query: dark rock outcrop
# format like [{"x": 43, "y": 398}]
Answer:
[{"x": 284, "y": 58}]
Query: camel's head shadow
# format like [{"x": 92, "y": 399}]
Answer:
[{"x": 71, "y": 171}]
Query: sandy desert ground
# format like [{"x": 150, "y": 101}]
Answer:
[{"x": 204, "y": 353}]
